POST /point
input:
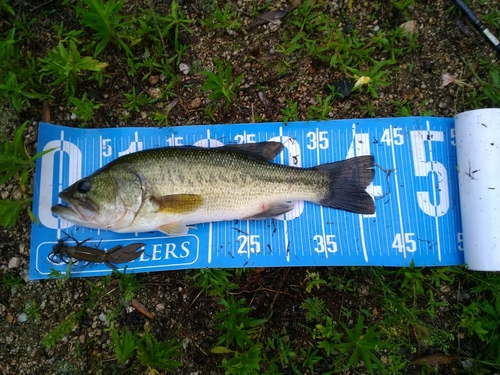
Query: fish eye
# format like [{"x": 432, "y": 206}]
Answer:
[{"x": 83, "y": 186}]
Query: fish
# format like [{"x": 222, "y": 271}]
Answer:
[{"x": 169, "y": 189}]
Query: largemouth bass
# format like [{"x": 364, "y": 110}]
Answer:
[{"x": 168, "y": 189}]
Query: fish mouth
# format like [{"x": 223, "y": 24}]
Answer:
[{"x": 78, "y": 209}]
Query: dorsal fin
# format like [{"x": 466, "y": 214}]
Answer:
[{"x": 262, "y": 151}]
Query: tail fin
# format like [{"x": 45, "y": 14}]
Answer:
[{"x": 348, "y": 181}]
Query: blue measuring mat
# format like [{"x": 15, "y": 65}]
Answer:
[{"x": 415, "y": 189}]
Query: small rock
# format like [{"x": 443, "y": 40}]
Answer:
[
  {"x": 102, "y": 317},
  {"x": 160, "y": 307},
  {"x": 24, "y": 249},
  {"x": 409, "y": 26},
  {"x": 9, "y": 318},
  {"x": 73, "y": 116},
  {"x": 4, "y": 194},
  {"x": 184, "y": 68},
  {"x": 25, "y": 275},
  {"x": 196, "y": 103},
  {"x": 153, "y": 79},
  {"x": 274, "y": 26},
  {"x": 467, "y": 363},
  {"x": 363, "y": 290},
  {"x": 17, "y": 194},
  {"x": 14, "y": 262},
  {"x": 16, "y": 302},
  {"x": 154, "y": 92},
  {"x": 144, "y": 115},
  {"x": 376, "y": 28},
  {"x": 294, "y": 3},
  {"x": 21, "y": 318}
]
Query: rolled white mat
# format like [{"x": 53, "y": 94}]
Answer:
[{"x": 478, "y": 154}]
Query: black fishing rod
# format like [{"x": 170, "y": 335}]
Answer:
[{"x": 476, "y": 22}]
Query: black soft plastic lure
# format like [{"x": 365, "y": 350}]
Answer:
[{"x": 117, "y": 254}]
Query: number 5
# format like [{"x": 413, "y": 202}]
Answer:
[{"x": 422, "y": 169}]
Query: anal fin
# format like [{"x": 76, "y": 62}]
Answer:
[
  {"x": 174, "y": 229},
  {"x": 272, "y": 210}
]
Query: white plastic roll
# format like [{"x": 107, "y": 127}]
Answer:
[{"x": 478, "y": 154}]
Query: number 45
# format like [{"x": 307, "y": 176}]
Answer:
[
  {"x": 396, "y": 137},
  {"x": 404, "y": 242}
]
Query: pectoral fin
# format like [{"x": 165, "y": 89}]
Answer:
[
  {"x": 174, "y": 229},
  {"x": 178, "y": 203},
  {"x": 272, "y": 210}
]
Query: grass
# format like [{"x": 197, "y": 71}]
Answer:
[
  {"x": 304, "y": 321},
  {"x": 16, "y": 165},
  {"x": 223, "y": 18},
  {"x": 66, "y": 65},
  {"x": 221, "y": 83}
]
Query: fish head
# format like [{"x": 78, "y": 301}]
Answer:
[{"x": 103, "y": 200}]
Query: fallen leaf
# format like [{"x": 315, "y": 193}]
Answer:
[
  {"x": 45, "y": 112},
  {"x": 448, "y": 78},
  {"x": 294, "y": 3},
  {"x": 141, "y": 308},
  {"x": 434, "y": 360},
  {"x": 342, "y": 88},
  {"x": 362, "y": 81},
  {"x": 186, "y": 38},
  {"x": 221, "y": 350},
  {"x": 409, "y": 26},
  {"x": 267, "y": 17},
  {"x": 172, "y": 104},
  {"x": 462, "y": 27},
  {"x": 263, "y": 98}
]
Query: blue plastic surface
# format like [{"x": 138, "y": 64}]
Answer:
[{"x": 415, "y": 187}]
